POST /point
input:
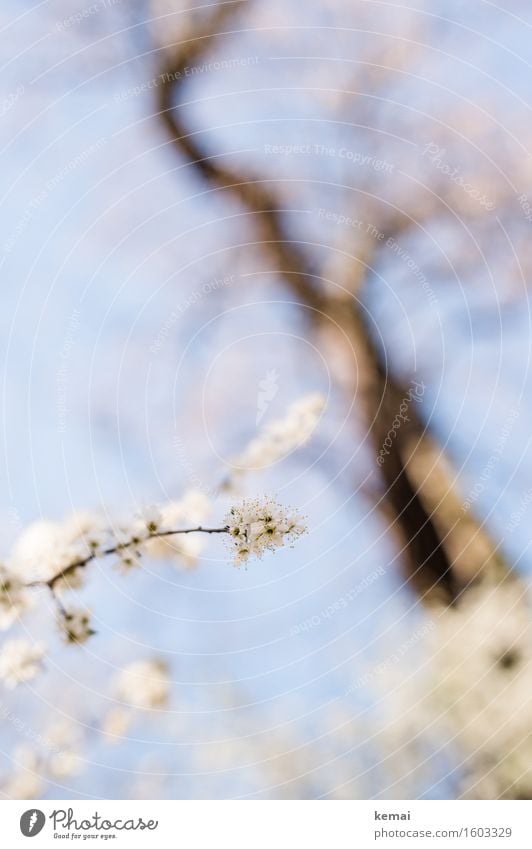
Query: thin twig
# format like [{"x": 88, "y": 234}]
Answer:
[{"x": 136, "y": 541}]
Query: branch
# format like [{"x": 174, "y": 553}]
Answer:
[
  {"x": 423, "y": 544},
  {"x": 115, "y": 549}
]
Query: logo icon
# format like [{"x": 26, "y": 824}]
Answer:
[
  {"x": 32, "y": 822},
  {"x": 268, "y": 389}
]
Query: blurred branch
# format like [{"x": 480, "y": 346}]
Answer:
[{"x": 428, "y": 560}]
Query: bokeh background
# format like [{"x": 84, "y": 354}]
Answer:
[{"x": 332, "y": 197}]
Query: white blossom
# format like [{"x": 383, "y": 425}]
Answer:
[
  {"x": 62, "y": 734},
  {"x": 26, "y": 782},
  {"x": 280, "y": 437},
  {"x": 185, "y": 549},
  {"x": 75, "y": 624},
  {"x": 131, "y": 534},
  {"x": 259, "y": 525},
  {"x": 24, "y": 785},
  {"x": 194, "y": 506},
  {"x": 88, "y": 528},
  {"x": 152, "y": 518},
  {"x": 128, "y": 558},
  {"x": 474, "y": 692},
  {"x": 128, "y": 541},
  {"x": 63, "y": 740},
  {"x": 14, "y": 598},
  {"x": 72, "y": 580},
  {"x": 47, "y": 548},
  {"x": 143, "y": 684},
  {"x": 66, "y": 763},
  {"x": 20, "y": 661},
  {"x": 115, "y": 725}
]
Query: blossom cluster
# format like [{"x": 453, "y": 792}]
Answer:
[
  {"x": 47, "y": 548},
  {"x": 277, "y": 439},
  {"x": 75, "y": 624},
  {"x": 193, "y": 508},
  {"x": 473, "y": 690},
  {"x": 143, "y": 684},
  {"x": 259, "y": 525},
  {"x": 55, "y": 555},
  {"x": 483, "y": 654},
  {"x": 55, "y": 753},
  {"x": 20, "y": 661},
  {"x": 14, "y": 598}
]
